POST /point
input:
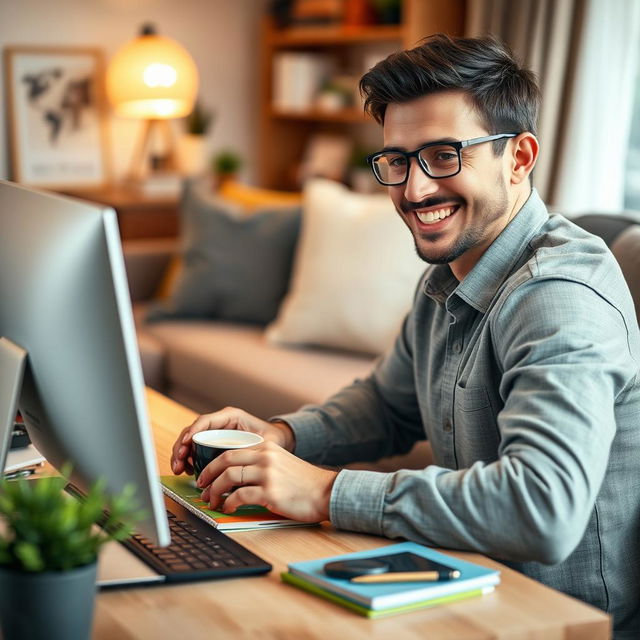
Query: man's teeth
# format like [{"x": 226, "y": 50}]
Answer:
[{"x": 435, "y": 215}]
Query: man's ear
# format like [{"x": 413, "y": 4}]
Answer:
[{"x": 524, "y": 154}]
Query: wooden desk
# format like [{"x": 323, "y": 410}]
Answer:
[{"x": 263, "y": 607}]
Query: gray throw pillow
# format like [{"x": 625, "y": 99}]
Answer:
[{"x": 236, "y": 265}]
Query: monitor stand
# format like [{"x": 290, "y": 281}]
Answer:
[{"x": 12, "y": 363}]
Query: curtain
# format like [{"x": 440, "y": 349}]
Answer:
[
  {"x": 591, "y": 169},
  {"x": 583, "y": 52}
]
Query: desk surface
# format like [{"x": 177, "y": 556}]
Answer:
[{"x": 263, "y": 607}]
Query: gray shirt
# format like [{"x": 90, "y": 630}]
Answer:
[{"x": 524, "y": 378}]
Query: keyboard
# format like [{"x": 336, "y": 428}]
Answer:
[{"x": 197, "y": 551}]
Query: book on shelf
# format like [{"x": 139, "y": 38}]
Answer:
[
  {"x": 378, "y": 599},
  {"x": 183, "y": 490},
  {"x": 297, "y": 78}
]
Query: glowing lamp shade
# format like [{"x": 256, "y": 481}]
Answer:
[{"x": 152, "y": 77}]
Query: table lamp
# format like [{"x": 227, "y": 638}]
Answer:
[{"x": 155, "y": 79}]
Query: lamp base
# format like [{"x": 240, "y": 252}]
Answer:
[{"x": 144, "y": 161}]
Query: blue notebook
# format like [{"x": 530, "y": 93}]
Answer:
[{"x": 473, "y": 577}]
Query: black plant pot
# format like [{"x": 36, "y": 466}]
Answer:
[{"x": 48, "y": 604}]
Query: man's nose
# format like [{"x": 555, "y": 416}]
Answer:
[{"x": 419, "y": 185}]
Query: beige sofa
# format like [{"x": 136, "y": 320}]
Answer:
[{"x": 207, "y": 365}]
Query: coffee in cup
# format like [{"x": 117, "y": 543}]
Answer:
[{"x": 208, "y": 445}]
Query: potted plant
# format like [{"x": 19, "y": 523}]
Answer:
[
  {"x": 225, "y": 165},
  {"x": 48, "y": 554},
  {"x": 193, "y": 144}
]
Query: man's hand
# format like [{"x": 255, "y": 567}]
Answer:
[
  {"x": 269, "y": 476},
  {"x": 229, "y": 418}
]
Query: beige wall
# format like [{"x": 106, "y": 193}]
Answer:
[{"x": 221, "y": 35}]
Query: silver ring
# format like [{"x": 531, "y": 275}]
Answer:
[{"x": 242, "y": 476}]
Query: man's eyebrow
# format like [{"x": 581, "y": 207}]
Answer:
[{"x": 404, "y": 149}]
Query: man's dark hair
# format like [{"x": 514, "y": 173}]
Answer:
[{"x": 505, "y": 95}]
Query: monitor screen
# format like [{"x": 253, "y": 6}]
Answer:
[{"x": 64, "y": 299}]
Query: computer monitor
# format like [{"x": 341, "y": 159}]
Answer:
[{"x": 64, "y": 299}]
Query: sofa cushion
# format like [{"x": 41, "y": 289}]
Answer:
[
  {"x": 209, "y": 365},
  {"x": 235, "y": 265},
  {"x": 354, "y": 275}
]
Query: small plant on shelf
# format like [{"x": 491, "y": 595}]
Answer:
[{"x": 225, "y": 164}]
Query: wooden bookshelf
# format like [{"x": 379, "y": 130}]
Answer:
[
  {"x": 333, "y": 35},
  {"x": 284, "y": 133}
]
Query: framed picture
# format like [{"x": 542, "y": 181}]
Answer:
[{"x": 57, "y": 124}]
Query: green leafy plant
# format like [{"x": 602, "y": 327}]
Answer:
[
  {"x": 199, "y": 120},
  {"x": 344, "y": 93},
  {"x": 47, "y": 530},
  {"x": 226, "y": 162}
]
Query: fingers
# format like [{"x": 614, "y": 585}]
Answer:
[
  {"x": 218, "y": 467},
  {"x": 230, "y": 479},
  {"x": 234, "y": 487},
  {"x": 242, "y": 496},
  {"x": 182, "y": 449},
  {"x": 225, "y": 419}
]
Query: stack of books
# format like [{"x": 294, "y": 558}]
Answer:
[{"x": 375, "y": 600}]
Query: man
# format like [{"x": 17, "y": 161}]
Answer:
[{"x": 518, "y": 362}]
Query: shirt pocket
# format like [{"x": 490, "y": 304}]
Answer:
[{"x": 476, "y": 435}]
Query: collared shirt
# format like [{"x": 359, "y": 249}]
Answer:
[{"x": 524, "y": 377}]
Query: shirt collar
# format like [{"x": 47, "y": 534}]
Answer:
[{"x": 496, "y": 263}]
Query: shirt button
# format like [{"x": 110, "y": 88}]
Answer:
[
  {"x": 447, "y": 426},
  {"x": 457, "y": 347}
]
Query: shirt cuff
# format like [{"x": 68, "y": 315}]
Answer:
[
  {"x": 357, "y": 500},
  {"x": 308, "y": 431}
]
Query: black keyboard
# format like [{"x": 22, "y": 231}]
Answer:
[{"x": 197, "y": 551}]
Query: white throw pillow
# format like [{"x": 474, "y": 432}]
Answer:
[{"x": 354, "y": 275}]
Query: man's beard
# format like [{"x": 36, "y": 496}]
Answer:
[
  {"x": 468, "y": 239},
  {"x": 487, "y": 212}
]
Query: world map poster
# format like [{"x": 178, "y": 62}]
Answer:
[{"x": 57, "y": 127}]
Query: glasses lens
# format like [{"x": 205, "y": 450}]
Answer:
[
  {"x": 391, "y": 168},
  {"x": 441, "y": 160}
]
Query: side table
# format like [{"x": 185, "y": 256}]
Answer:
[{"x": 140, "y": 215}]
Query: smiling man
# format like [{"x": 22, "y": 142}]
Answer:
[{"x": 518, "y": 361}]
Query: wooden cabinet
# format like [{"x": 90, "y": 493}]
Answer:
[
  {"x": 285, "y": 133},
  {"x": 140, "y": 215}
]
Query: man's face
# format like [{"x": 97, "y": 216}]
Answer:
[{"x": 472, "y": 207}]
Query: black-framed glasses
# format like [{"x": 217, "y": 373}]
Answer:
[{"x": 436, "y": 159}]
